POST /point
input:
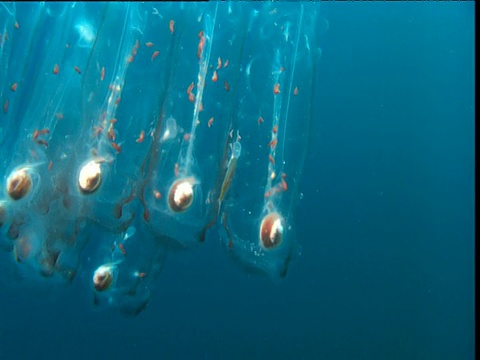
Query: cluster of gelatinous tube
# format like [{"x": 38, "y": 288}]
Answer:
[{"x": 130, "y": 130}]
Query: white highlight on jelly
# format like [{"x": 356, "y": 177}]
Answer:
[{"x": 86, "y": 34}]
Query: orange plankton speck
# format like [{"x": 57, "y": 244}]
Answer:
[
  {"x": 276, "y": 89},
  {"x": 122, "y": 249},
  {"x": 215, "y": 76},
  {"x": 190, "y": 88},
  {"x": 155, "y": 54},
  {"x": 201, "y": 44},
  {"x": 270, "y": 157},
  {"x": 116, "y": 147},
  {"x": 272, "y": 144},
  {"x": 141, "y": 137}
]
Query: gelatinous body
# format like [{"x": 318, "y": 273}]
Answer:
[
  {"x": 257, "y": 216},
  {"x": 129, "y": 131},
  {"x": 44, "y": 218}
]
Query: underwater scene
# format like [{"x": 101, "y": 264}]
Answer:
[{"x": 236, "y": 180}]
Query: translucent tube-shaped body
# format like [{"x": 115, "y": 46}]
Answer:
[
  {"x": 41, "y": 62},
  {"x": 178, "y": 192},
  {"x": 274, "y": 116},
  {"x": 122, "y": 131}
]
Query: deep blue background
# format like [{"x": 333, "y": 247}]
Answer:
[{"x": 386, "y": 223}]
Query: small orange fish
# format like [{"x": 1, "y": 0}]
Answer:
[
  {"x": 37, "y": 133},
  {"x": 56, "y": 69},
  {"x": 272, "y": 144},
  {"x": 295, "y": 92},
  {"x": 77, "y": 69},
  {"x": 171, "y": 26},
  {"x": 190, "y": 88},
  {"x": 276, "y": 89},
  {"x": 227, "y": 87},
  {"x": 102, "y": 74},
  {"x": 116, "y": 147},
  {"x": 272, "y": 160},
  {"x": 141, "y": 137},
  {"x": 215, "y": 76},
  {"x": 122, "y": 249},
  {"x": 210, "y": 122},
  {"x": 14, "y": 87},
  {"x": 149, "y": 44},
  {"x": 201, "y": 44},
  {"x": 155, "y": 54}
]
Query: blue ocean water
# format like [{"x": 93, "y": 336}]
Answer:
[{"x": 383, "y": 257}]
